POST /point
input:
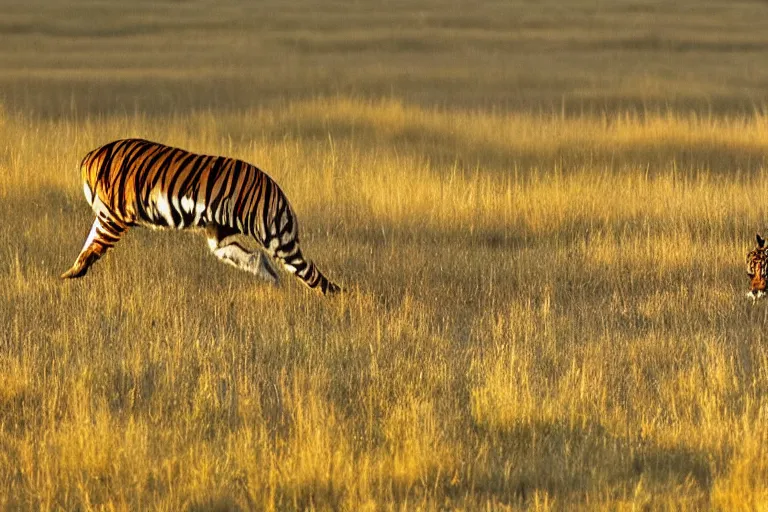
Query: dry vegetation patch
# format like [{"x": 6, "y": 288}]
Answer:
[
  {"x": 569, "y": 333},
  {"x": 540, "y": 212}
]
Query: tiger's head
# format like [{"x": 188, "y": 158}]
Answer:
[{"x": 757, "y": 269}]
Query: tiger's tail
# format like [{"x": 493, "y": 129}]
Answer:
[{"x": 308, "y": 272}]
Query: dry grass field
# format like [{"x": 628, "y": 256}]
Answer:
[{"x": 540, "y": 213}]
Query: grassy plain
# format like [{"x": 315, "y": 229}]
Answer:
[{"x": 545, "y": 306}]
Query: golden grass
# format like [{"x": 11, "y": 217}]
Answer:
[
  {"x": 540, "y": 211},
  {"x": 544, "y": 313}
]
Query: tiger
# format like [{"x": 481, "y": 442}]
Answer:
[
  {"x": 137, "y": 182},
  {"x": 757, "y": 269}
]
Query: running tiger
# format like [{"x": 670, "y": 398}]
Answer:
[
  {"x": 135, "y": 182},
  {"x": 757, "y": 269}
]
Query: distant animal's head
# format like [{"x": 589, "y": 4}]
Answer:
[{"x": 757, "y": 269}]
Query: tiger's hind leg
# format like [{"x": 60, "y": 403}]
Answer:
[
  {"x": 224, "y": 244},
  {"x": 104, "y": 234}
]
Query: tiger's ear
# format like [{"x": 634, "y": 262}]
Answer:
[{"x": 760, "y": 241}]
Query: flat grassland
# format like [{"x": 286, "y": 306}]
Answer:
[{"x": 539, "y": 210}]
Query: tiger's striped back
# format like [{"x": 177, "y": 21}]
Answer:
[{"x": 133, "y": 182}]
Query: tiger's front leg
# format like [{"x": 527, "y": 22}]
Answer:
[
  {"x": 104, "y": 234},
  {"x": 223, "y": 243}
]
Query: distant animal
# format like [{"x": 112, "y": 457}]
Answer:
[
  {"x": 757, "y": 269},
  {"x": 136, "y": 182}
]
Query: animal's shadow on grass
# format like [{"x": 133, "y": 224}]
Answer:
[
  {"x": 131, "y": 391},
  {"x": 569, "y": 462},
  {"x": 519, "y": 465}
]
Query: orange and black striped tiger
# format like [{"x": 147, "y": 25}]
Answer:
[
  {"x": 135, "y": 182},
  {"x": 757, "y": 269}
]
